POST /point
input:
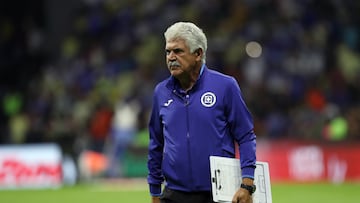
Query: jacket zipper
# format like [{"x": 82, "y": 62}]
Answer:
[{"x": 186, "y": 103}]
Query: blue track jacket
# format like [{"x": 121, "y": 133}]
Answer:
[{"x": 186, "y": 128}]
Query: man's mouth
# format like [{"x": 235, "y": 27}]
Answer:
[{"x": 173, "y": 67}]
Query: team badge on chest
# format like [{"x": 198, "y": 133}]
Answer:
[{"x": 208, "y": 99}]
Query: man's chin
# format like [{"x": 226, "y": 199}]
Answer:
[{"x": 175, "y": 72}]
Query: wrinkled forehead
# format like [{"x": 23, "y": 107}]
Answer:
[{"x": 176, "y": 42}]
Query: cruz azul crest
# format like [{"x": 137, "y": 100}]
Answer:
[{"x": 208, "y": 99}]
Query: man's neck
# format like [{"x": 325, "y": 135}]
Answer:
[{"x": 188, "y": 82}]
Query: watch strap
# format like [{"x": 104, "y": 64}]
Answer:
[{"x": 250, "y": 188}]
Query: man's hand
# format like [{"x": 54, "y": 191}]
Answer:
[
  {"x": 155, "y": 199},
  {"x": 242, "y": 195}
]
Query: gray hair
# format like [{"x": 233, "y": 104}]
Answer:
[{"x": 194, "y": 36}]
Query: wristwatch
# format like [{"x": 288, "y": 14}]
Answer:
[{"x": 250, "y": 188}]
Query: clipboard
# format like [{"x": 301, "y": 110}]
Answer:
[{"x": 226, "y": 180}]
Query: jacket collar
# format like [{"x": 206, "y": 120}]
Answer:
[{"x": 173, "y": 84}]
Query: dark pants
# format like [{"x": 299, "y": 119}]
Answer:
[{"x": 174, "y": 196}]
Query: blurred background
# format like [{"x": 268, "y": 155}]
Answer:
[{"x": 81, "y": 74}]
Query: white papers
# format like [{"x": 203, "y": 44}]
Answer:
[{"x": 226, "y": 180}]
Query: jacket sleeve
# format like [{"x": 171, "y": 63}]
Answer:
[
  {"x": 242, "y": 129},
  {"x": 155, "y": 177}
]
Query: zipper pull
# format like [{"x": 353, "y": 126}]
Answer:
[{"x": 187, "y": 100}]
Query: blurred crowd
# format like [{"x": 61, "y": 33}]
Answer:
[{"x": 97, "y": 90}]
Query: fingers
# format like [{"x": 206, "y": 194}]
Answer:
[{"x": 242, "y": 200}]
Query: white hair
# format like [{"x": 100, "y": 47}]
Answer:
[{"x": 194, "y": 36}]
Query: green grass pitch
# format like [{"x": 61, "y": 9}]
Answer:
[{"x": 124, "y": 193}]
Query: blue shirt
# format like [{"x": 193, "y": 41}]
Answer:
[{"x": 187, "y": 127}]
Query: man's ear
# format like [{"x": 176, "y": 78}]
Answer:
[{"x": 198, "y": 52}]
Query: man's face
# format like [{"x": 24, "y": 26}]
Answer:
[{"x": 179, "y": 59}]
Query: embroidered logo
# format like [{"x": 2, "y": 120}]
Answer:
[
  {"x": 168, "y": 102},
  {"x": 208, "y": 99}
]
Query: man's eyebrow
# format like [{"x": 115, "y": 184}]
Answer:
[{"x": 176, "y": 50}]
